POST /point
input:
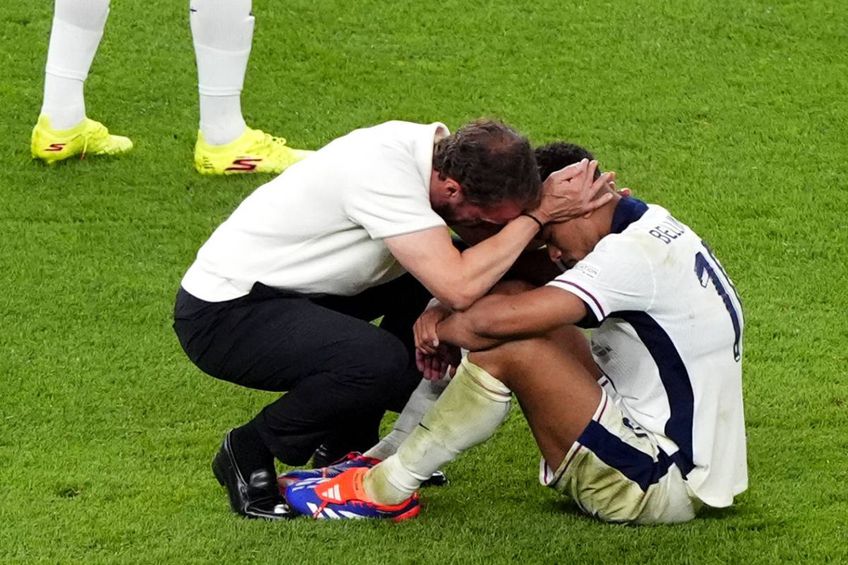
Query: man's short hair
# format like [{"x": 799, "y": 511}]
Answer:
[
  {"x": 560, "y": 154},
  {"x": 492, "y": 163}
]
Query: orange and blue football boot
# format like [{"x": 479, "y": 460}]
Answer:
[{"x": 343, "y": 498}]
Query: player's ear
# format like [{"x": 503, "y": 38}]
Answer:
[{"x": 554, "y": 252}]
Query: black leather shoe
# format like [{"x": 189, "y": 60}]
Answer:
[{"x": 256, "y": 497}]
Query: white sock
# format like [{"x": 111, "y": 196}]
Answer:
[
  {"x": 223, "y": 34},
  {"x": 422, "y": 398},
  {"x": 468, "y": 412},
  {"x": 74, "y": 38}
]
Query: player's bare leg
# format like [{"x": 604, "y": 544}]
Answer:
[{"x": 554, "y": 379}]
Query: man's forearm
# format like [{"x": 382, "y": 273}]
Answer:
[
  {"x": 485, "y": 263},
  {"x": 459, "y": 279}
]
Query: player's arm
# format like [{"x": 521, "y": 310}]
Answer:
[
  {"x": 498, "y": 318},
  {"x": 457, "y": 278}
]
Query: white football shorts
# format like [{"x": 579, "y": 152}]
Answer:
[{"x": 617, "y": 472}]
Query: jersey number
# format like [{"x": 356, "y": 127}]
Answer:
[{"x": 706, "y": 273}]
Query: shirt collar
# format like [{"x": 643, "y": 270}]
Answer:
[{"x": 627, "y": 211}]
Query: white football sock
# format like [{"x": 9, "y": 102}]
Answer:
[
  {"x": 422, "y": 398},
  {"x": 223, "y": 34},
  {"x": 74, "y": 38},
  {"x": 468, "y": 412}
]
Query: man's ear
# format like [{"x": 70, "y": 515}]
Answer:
[{"x": 453, "y": 190}]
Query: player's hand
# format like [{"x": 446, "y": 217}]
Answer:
[
  {"x": 445, "y": 360},
  {"x": 570, "y": 192},
  {"x": 424, "y": 329},
  {"x": 432, "y": 368}
]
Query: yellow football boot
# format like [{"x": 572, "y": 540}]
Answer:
[
  {"x": 89, "y": 137},
  {"x": 253, "y": 152}
]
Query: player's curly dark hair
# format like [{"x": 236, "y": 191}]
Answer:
[
  {"x": 554, "y": 156},
  {"x": 491, "y": 162}
]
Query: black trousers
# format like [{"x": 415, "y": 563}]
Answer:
[{"x": 340, "y": 372}]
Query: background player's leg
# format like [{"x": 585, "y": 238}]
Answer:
[
  {"x": 74, "y": 38},
  {"x": 223, "y": 35},
  {"x": 62, "y": 129},
  {"x": 222, "y": 31}
]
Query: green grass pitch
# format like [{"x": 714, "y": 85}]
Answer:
[{"x": 732, "y": 114}]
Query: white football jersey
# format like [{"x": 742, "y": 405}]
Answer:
[
  {"x": 319, "y": 227},
  {"x": 669, "y": 342}
]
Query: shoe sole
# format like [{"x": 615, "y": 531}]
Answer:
[
  {"x": 50, "y": 162},
  {"x": 411, "y": 513}
]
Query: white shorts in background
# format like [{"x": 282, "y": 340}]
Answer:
[{"x": 617, "y": 472}]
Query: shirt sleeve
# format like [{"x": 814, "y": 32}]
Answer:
[
  {"x": 616, "y": 276},
  {"x": 392, "y": 198}
]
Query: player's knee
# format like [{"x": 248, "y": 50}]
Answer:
[
  {"x": 508, "y": 358},
  {"x": 493, "y": 361}
]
